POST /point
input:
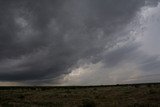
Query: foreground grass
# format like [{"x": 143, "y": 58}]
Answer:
[{"x": 138, "y": 95}]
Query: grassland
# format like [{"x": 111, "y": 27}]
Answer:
[{"x": 135, "y": 95}]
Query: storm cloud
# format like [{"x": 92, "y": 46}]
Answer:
[{"x": 46, "y": 39}]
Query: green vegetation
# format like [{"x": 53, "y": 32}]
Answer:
[{"x": 138, "y": 95}]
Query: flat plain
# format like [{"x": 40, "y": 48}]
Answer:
[{"x": 127, "y": 95}]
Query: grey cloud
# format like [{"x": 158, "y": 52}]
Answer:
[
  {"x": 119, "y": 55},
  {"x": 151, "y": 64},
  {"x": 51, "y": 36}
]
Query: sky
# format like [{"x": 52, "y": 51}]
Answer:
[{"x": 79, "y": 42}]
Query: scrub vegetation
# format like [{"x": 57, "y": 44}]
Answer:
[{"x": 128, "y": 95}]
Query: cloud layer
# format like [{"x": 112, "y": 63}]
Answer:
[{"x": 41, "y": 41}]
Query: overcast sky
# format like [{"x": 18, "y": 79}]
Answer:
[{"x": 79, "y": 42}]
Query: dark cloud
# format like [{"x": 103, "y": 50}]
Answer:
[
  {"x": 44, "y": 39},
  {"x": 119, "y": 55}
]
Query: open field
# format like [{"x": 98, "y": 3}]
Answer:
[{"x": 135, "y": 95}]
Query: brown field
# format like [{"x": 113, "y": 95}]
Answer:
[{"x": 135, "y": 95}]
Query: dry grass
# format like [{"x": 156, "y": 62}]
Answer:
[{"x": 143, "y": 95}]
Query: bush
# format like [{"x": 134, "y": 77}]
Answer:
[{"x": 88, "y": 103}]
